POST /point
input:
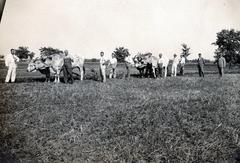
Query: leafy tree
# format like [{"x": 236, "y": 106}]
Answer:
[
  {"x": 31, "y": 55},
  {"x": 121, "y": 53},
  {"x": 48, "y": 51},
  {"x": 23, "y": 53},
  {"x": 185, "y": 50},
  {"x": 228, "y": 44}
]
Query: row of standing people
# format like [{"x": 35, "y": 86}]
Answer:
[
  {"x": 11, "y": 59},
  {"x": 163, "y": 63},
  {"x": 104, "y": 64},
  {"x": 221, "y": 64}
]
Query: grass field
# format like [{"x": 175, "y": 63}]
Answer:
[{"x": 177, "y": 119}]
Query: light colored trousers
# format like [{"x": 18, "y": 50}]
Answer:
[
  {"x": 11, "y": 74},
  {"x": 174, "y": 70},
  {"x": 103, "y": 73},
  {"x": 165, "y": 71},
  {"x": 113, "y": 73}
]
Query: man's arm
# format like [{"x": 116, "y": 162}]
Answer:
[
  {"x": 106, "y": 62},
  {"x": 6, "y": 62},
  {"x": 16, "y": 58},
  {"x": 203, "y": 61},
  {"x": 224, "y": 62}
]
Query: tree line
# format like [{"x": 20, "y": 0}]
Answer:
[{"x": 227, "y": 42}]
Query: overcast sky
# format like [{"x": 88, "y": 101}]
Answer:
[{"x": 86, "y": 27}]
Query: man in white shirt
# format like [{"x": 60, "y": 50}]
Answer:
[
  {"x": 182, "y": 64},
  {"x": 163, "y": 64},
  {"x": 103, "y": 65},
  {"x": 113, "y": 64},
  {"x": 128, "y": 62},
  {"x": 174, "y": 65},
  {"x": 10, "y": 62}
]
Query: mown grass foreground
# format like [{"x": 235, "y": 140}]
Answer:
[{"x": 182, "y": 119}]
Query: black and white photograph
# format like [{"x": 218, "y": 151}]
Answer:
[{"x": 119, "y": 81}]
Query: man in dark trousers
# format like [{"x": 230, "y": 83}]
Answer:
[
  {"x": 200, "y": 64},
  {"x": 67, "y": 69},
  {"x": 149, "y": 69},
  {"x": 221, "y": 65},
  {"x": 182, "y": 62}
]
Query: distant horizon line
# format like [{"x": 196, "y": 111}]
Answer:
[{"x": 211, "y": 60}]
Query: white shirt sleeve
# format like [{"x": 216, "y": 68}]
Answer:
[
  {"x": 182, "y": 60},
  {"x": 165, "y": 62},
  {"x": 129, "y": 60},
  {"x": 113, "y": 60},
  {"x": 160, "y": 60},
  {"x": 102, "y": 61},
  {"x": 16, "y": 58},
  {"x": 7, "y": 60}
]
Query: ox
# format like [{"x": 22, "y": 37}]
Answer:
[
  {"x": 54, "y": 65},
  {"x": 146, "y": 61}
]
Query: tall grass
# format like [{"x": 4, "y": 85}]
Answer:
[{"x": 186, "y": 119}]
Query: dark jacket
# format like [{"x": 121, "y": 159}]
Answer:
[
  {"x": 68, "y": 62},
  {"x": 201, "y": 62}
]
